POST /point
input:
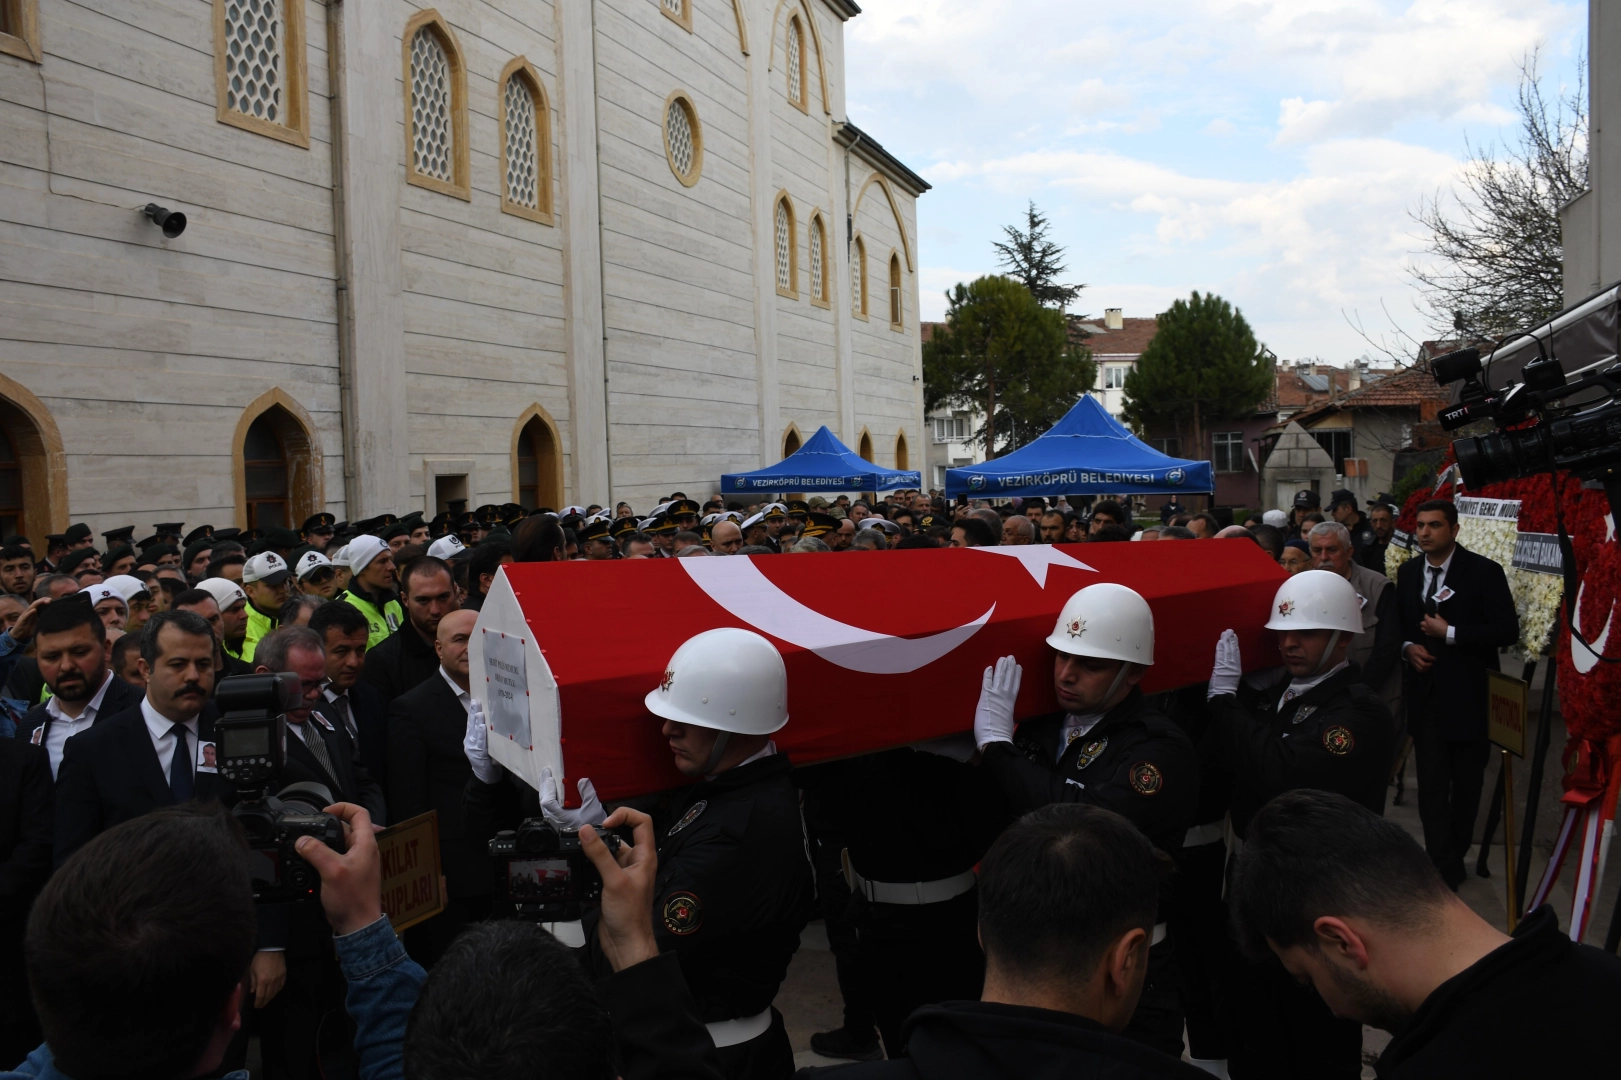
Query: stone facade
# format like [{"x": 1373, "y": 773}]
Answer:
[
  {"x": 1297, "y": 461},
  {"x": 498, "y": 250}
]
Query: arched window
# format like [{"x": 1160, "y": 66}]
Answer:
[
  {"x": 796, "y": 63},
  {"x": 678, "y": 10},
  {"x": 259, "y": 68},
  {"x": 894, "y": 291},
  {"x": 537, "y": 462},
  {"x": 790, "y": 441},
  {"x": 902, "y": 457},
  {"x": 11, "y": 486},
  {"x": 858, "y": 278},
  {"x": 435, "y": 107},
  {"x": 818, "y": 261},
  {"x": 279, "y": 477},
  {"x": 865, "y": 446},
  {"x": 264, "y": 474},
  {"x": 787, "y": 244},
  {"x": 526, "y": 144}
]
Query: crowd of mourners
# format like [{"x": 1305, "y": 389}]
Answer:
[{"x": 1194, "y": 882}]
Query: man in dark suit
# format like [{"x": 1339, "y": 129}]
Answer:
[
  {"x": 149, "y": 755},
  {"x": 71, "y": 647},
  {"x": 428, "y": 770},
  {"x": 352, "y": 704},
  {"x": 319, "y": 751},
  {"x": 1456, "y": 612},
  {"x": 407, "y": 657}
]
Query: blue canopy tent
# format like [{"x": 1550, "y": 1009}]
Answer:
[
  {"x": 822, "y": 464},
  {"x": 1088, "y": 452}
]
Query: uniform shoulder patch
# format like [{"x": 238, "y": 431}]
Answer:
[
  {"x": 1339, "y": 740},
  {"x": 689, "y": 817},
  {"x": 1146, "y": 779},
  {"x": 683, "y": 914},
  {"x": 1303, "y": 712}
]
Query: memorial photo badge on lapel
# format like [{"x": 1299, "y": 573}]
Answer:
[{"x": 207, "y": 758}]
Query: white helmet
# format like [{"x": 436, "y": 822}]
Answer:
[
  {"x": 1107, "y": 621},
  {"x": 1316, "y": 600},
  {"x": 727, "y": 679}
]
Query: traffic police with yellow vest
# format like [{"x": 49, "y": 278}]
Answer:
[{"x": 371, "y": 587}]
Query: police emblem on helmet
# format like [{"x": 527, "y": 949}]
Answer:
[
  {"x": 1338, "y": 740},
  {"x": 683, "y": 914},
  {"x": 1075, "y": 627},
  {"x": 1286, "y": 608},
  {"x": 1146, "y": 778},
  {"x": 667, "y": 682}
]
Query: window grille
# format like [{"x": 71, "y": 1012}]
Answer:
[
  {"x": 432, "y": 132},
  {"x": 682, "y": 142},
  {"x": 858, "y": 284},
  {"x": 255, "y": 43},
  {"x": 796, "y": 71},
  {"x": 784, "y": 243},
  {"x": 675, "y": 7},
  {"x": 523, "y": 173},
  {"x": 818, "y": 282},
  {"x": 894, "y": 291}
]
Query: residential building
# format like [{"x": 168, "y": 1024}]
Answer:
[
  {"x": 500, "y": 250},
  {"x": 1116, "y": 343}
]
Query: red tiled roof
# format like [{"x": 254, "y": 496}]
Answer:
[
  {"x": 1130, "y": 340},
  {"x": 1413, "y": 387}
]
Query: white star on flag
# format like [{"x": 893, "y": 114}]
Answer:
[{"x": 1037, "y": 558}]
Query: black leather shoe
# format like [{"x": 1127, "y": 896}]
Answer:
[{"x": 847, "y": 1043}]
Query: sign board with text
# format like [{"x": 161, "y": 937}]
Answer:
[
  {"x": 1506, "y": 711},
  {"x": 413, "y": 889}
]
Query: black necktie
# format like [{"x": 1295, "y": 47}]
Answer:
[
  {"x": 340, "y": 705},
  {"x": 317, "y": 745},
  {"x": 1435, "y": 583},
  {"x": 180, "y": 785}
]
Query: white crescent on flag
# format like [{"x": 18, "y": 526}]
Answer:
[{"x": 737, "y": 585}]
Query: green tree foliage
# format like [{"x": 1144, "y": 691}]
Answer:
[
  {"x": 1004, "y": 354},
  {"x": 1031, "y": 258},
  {"x": 1204, "y": 366}
]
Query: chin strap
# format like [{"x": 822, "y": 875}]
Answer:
[
  {"x": 1328, "y": 654},
  {"x": 718, "y": 751},
  {"x": 1119, "y": 677}
]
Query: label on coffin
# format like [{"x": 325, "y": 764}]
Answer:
[{"x": 506, "y": 683}]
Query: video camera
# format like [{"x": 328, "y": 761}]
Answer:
[
  {"x": 542, "y": 875},
  {"x": 252, "y": 751},
  {"x": 1583, "y": 439}
]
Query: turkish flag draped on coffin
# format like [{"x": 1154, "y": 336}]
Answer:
[{"x": 882, "y": 649}]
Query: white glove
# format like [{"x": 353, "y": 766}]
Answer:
[
  {"x": 589, "y": 813},
  {"x": 993, "y": 717},
  {"x": 1229, "y": 668},
  {"x": 477, "y": 748}
]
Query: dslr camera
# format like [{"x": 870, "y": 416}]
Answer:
[
  {"x": 252, "y": 751},
  {"x": 541, "y": 874},
  {"x": 1581, "y": 437}
]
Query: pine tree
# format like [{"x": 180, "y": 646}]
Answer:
[
  {"x": 1203, "y": 367},
  {"x": 1036, "y": 261}
]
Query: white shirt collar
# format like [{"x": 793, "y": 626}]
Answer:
[
  {"x": 1300, "y": 686},
  {"x": 1445, "y": 565},
  {"x": 766, "y": 751},
  {"x": 90, "y": 710},
  {"x": 463, "y": 696},
  {"x": 160, "y": 725}
]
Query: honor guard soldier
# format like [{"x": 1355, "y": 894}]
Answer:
[
  {"x": 1107, "y": 747},
  {"x": 755, "y": 532},
  {"x": 1323, "y": 729},
  {"x": 595, "y": 540},
  {"x": 663, "y": 531},
  {"x": 622, "y": 528},
  {"x": 735, "y": 885},
  {"x": 798, "y": 510},
  {"x": 776, "y": 517},
  {"x": 684, "y": 513}
]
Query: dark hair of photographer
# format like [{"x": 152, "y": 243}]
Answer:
[
  {"x": 1061, "y": 890},
  {"x": 504, "y": 1000},
  {"x": 137, "y": 947},
  {"x": 538, "y": 539},
  {"x": 70, "y": 613}
]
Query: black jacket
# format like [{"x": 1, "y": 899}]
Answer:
[
  {"x": 428, "y": 770},
  {"x": 402, "y": 660},
  {"x": 370, "y": 713},
  {"x": 1453, "y": 692},
  {"x": 1134, "y": 761},
  {"x": 27, "y": 825},
  {"x": 734, "y": 888},
  {"x": 120, "y": 696},
  {"x": 348, "y": 781},
  {"x": 657, "y": 1032},
  {"x": 1335, "y": 737},
  {"x": 977, "y": 1040},
  {"x": 1540, "y": 1005},
  {"x": 111, "y": 774}
]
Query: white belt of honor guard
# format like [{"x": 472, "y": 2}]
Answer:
[
  {"x": 908, "y": 892},
  {"x": 732, "y": 1032}
]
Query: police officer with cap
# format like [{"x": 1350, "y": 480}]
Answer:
[
  {"x": 1319, "y": 727},
  {"x": 264, "y": 579},
  {"x": 595, "y": 539},
  {"x": 317, "y": 530},
  {"x": 1343, "y": 509},
  {"x": 1108, "y": 747},
  {"x": 1306, "y": 500}
]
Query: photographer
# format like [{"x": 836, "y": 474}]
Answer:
[{"x": 145, "y": 980}]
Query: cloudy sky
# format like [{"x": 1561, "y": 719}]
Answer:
[{"x": 1270, "y": 151}]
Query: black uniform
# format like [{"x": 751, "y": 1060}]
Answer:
[
  {"x": 1334, "y": 737},
  {"x": 1138, "y": 763},
  {"x": 734, "y": 889},
  {"x": 1363, "y": 537},
  {"x": 909, "y": 818}
]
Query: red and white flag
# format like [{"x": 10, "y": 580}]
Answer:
[{"x": 881, "y": 649}]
